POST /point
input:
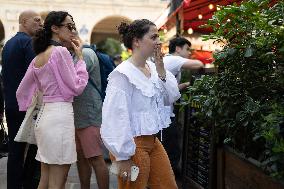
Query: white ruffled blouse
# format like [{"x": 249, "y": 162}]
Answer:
[{"x": 134, "y": 106}]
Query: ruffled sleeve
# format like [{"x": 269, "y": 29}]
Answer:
[
  {"x": 115, "y": 130},
  {"x": 26, "y": 89},
  {"x": 72, "y": 78},
  {"x": 170, "y": 87}
]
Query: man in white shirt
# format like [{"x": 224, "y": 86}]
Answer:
[
  {"x": 175, "y": 62},
  {"x": 178, "y": 59}
]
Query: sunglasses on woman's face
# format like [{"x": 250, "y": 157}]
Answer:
[{"x": 69, "y": 26}]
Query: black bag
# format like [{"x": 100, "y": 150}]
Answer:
[{"x": 106, "y": 67}]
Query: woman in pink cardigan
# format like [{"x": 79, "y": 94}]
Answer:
[{"x": 53, "y": 73}]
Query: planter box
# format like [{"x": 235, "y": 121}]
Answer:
[{"x": 236, "y": 172}]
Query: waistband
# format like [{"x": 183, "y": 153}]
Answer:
[{"x": 146, "y": 138}]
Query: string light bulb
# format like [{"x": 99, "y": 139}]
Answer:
[
  {"x": 200, "y": 16},
  {"x": 190, "y": 31},
  {"x": 218, "y": 8},
  {"x": 211, "y": 6}
]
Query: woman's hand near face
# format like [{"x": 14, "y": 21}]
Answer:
[
  {"x": 158, "y": 58},
  {"x": 77, "y": 47}
]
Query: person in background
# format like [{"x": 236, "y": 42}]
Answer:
[
  {"x": 137, "y": 107},
  {"x": 16, "y": 57},
  {"x": 53, "y": 73},
  {"x": 176, "y": 61},
  {"x": 88, "y": 118},
  {"x": 117, "y": 59}
]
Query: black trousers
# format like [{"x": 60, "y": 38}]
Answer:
[
  {"x": 171, "y": 140},
  {"x": 21, "y": 173}
]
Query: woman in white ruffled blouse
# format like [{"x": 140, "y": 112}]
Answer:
[{"x": 136, "y": 107}]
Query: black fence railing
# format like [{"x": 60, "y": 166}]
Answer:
[
  {"x": 199, "y": 152},
  {"x": 199, "y": 149}
]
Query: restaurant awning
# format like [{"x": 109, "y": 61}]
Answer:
[
  {"x": 194, "y": 13},
  {"x": 198, "y": 12}
]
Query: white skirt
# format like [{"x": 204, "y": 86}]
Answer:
[{"x": 55, "y": 134}]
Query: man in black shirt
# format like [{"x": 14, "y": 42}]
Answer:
[{"x": 16, "y": 57}]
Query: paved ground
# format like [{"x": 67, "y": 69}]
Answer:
[
  {"x": 3, "y": 172},
  {"x": 72, "y": 181}
]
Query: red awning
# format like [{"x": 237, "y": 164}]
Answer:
[
  {"x": 193, "y": 8},
  {"x": 190, "y": 10}
]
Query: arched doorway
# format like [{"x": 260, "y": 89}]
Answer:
[{"x": 107, "y": 28}]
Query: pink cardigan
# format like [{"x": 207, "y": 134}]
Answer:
[{"x": 59, "y": 79}]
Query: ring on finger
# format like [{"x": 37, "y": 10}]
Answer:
[{"x": 124, "y": 174}]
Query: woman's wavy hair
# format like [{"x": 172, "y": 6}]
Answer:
[
  {"x": 42, "y": 38},
  {"x": 137, "y": 29}
]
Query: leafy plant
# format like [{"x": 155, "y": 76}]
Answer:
[
  {"x": 245, "y": 98},
  {"x": 110, "y": 46}
]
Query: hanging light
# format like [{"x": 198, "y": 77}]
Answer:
[
  {"x": 190, "y": 31},
  {"x": 200, "y": 16},
  {"x": 211, "y": 6}
]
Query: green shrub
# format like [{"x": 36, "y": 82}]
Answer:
[{"x": 244, "y": 100}]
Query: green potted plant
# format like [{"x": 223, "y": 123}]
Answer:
[{"x": 244, "y": 100}]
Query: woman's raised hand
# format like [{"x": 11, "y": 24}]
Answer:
[
  {"x": 77, "y": 47},
  {"x": 158, "y": 58}
]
